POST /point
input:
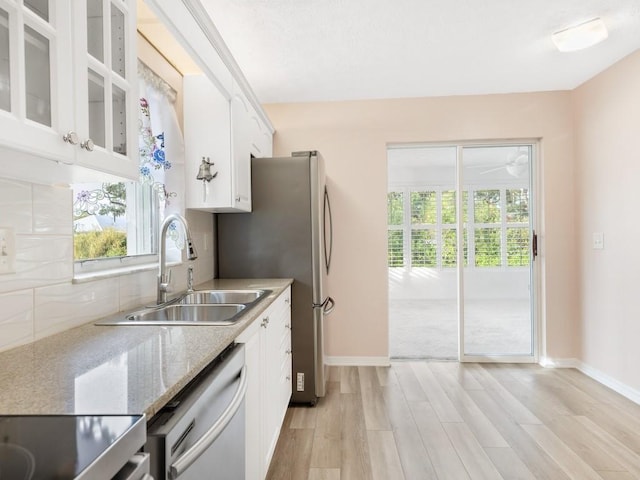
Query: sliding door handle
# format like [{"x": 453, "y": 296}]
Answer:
[{"x": 534, "y": 245}]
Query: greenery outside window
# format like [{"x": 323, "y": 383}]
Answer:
[
  {"x": 423, "y": 231},
  {"x": 114, "y": 220},
  {"x": 517, "y": 231},
  {"x": 424, "y": 242},
  {"x": 395, "y": 235}
]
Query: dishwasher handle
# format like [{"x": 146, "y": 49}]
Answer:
[{"x": 185, "y": 460}]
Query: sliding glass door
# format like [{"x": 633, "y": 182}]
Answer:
[
  {"x": 422, "y": 236},
  {"x": 496, "y": 304},
  {"x": 461, "y": 270}
]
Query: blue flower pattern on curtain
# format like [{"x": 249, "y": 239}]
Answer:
[
  {"x": 153, "y": 161},
  {"x": 153, "y": 164}
]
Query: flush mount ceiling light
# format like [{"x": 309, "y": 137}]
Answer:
[{"x": 580, "y": 36}]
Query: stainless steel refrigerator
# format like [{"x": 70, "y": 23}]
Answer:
[{"x": 287, "y": 234}]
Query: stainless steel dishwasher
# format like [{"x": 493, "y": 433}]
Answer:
[{"x": 200, "y": 434}]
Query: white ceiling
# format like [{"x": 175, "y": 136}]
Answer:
[{"x": 319, "y": 50}]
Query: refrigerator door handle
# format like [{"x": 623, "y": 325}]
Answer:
[
  {"x": 327, "y": 236},
  {"x": 327, "y": 305}
]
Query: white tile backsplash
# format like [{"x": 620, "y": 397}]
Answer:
[
  {"x": 16, "y": 206},
  {"x": 137, "y": 289},
  {"x": 16, "y": 318},
  {"x": 202, "y": 230},
  {"x": 51, "y": 210},
  {"x": 61, "y": 307},
  {"x": 40, "y": 260},
  {"x": 39, "y": 299}
]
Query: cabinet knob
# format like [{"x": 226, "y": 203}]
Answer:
[
  {"x": 71, "y": 137},
  {"x": 288, "y": 352},
  {"x": 87, "y": 145},
  {"x": 265, "y": 322},
  {"x": 238, "y": 199},
  {"x": 287, "y": 300},
  {"x": 287, "y": 326},
  {"x": 288, "y": 378}
]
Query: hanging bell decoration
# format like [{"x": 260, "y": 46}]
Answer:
[{"x": 204, "y": 172}]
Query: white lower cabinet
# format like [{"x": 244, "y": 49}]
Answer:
[{"x": 268, "y": 359}]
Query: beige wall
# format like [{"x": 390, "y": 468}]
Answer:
[
  {"x": 607, "y": 131},
  {"x": 353, "y": 136}
]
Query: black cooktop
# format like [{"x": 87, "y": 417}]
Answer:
[{"x": 60, "y": 447}]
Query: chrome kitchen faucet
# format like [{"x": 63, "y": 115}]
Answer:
[{"x": 164, "y": 279}]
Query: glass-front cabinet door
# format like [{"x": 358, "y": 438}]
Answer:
[
  {"x": 106, "y": 75},
  {"x": 36, "y": 83},
  {"x": 68, "y": 89}
]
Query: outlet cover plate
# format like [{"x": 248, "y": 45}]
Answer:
[{"x": 598, "y": 240}]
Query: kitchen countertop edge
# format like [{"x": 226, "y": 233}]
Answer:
[{"x": 90, "y": 369}]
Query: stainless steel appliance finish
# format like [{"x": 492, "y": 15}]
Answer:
[
  {"x": 287, "y": 234},
  {"x": 137, "y": 468},
  {"x": 72, "y": 447},
  {"x": 201, "y": 433}
]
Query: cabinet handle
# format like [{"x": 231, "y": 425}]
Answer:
[
  {"x": 71, "y": 137},
  {"x": 288, "y": 378},
  {"x": 238, "y": 199},
  {"x": 288, "y": 352},
  {"x": 87, "y": 145},
  {"x": 287, "y": 326},
  {"x": 287, "y": 301},
  {"x": 265, "y": 322}
]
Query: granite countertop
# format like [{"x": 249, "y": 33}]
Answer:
[{"x": 118, "y": 369}]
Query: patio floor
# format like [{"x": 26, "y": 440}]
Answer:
[{"x": 429, "y": 329}]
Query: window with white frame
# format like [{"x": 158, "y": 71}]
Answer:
[
  {"x": 117, "y": 223},
  {"x": 422, "y": 227}
]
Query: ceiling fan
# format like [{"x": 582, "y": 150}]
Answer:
[{"x": 517, "y": 163}]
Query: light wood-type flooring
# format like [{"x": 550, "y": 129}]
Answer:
[{"x": 443, "y": 420}]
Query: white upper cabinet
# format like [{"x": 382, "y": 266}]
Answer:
[
  {"x": 106, "y": 86},
  {"x": 67, "y": 79},
  {"x": 241, "y": 148},
  {"x": 260, "y": 136},
  {"x": 36, "y": 83},
  {"x": 252, "y": 135},
  {"x": 222, "y": 95},
  {"x": 207, "y": 138},
  {"x": 221, "y": 134}
]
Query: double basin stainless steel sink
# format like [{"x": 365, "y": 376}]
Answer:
[{"x": 199, "y": 307}]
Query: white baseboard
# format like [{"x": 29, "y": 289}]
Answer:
[
  {"x": 549, "y": 362},
  {"x": 357, "y": 361},
  {"x": 608, "y": 381},
  {"x": 616, "y": 385}
]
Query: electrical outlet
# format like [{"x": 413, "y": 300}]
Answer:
[
  {"x": 300, "y": 382},
  {"x": 598, "y": 241},
  {"x": 7, "y": 250}
]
